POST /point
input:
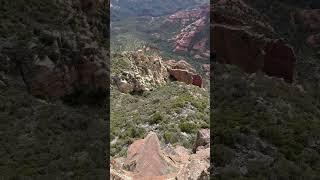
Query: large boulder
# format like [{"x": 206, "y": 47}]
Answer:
[
  {"x": 183, "y": 72},
  {"x": 146, "y": 159}
]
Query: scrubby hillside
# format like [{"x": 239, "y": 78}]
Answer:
[
  {"x": 154, "y": 89},
  {"x": 148, "y": 94},
  {"x": 152, "y": 95},
  {"x": 43, "y": 139},
  {"x": 264, "y": 126},
  {"x": 53, "y": 87}
]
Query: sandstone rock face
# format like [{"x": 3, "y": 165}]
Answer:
[
  {"x": 183, "y": 71},
  {"x": 198, "y": 166},
  {"x": 203, "y": 139},
  {"x": 237, "y": 46},
  {"x": 240, "y": 43},
  {"x": 147, "y": 160},
  {"x": 182, "y": 64},
  {"x": 279, "y": 59},
  {"x": 194, "y": 36},
  {"x": 197, "y": 80}
]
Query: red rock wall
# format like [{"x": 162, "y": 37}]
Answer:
[
  {"x": 236, "y": 46},
  {"x": 197, "y": 80},
  {"x": 279, "y": 60},
  {"x": 248, "y": 51}
]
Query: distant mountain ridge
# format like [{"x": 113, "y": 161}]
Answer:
[{"x": 125, "y": 8}]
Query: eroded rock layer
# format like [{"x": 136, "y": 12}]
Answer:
[{"x": 193, "y": 38}]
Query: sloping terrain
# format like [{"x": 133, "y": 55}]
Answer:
[
  {"x": 265, "y": 127},
  {"x": 54, "y": 77},
  {"x": 154, "y": 89},
  {"x": 173, "y": 109},
  {"x": 41, "y": 139}
]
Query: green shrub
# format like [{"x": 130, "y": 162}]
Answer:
[
  {"x": 156, "y": 118},
  {"x": 188, "y": 127},
  {"x": 170, "y": 137}
]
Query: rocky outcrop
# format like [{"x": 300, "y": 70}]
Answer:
[
  {"x": 147, "y": 160},
  {"x": 183, "y": 71},
  {"x": 184, "y": 39},
  {"x": 244, "y": 45},
  {"x": 58, "y": 75},
  {"x": 145, "y": 72},
  {"x": 144, "y": 158},
  {"x": 203, "y": 139}
]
